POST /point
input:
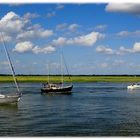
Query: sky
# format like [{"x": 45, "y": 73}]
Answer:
[{"x": 95, "y": 38}]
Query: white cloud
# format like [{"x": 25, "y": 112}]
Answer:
[
  {"x": 12, "y": 23},
  {"x": 128, "y": 33},
  {"x": 35, "y": 34},
  {"x": 136, "y": 47},
  {"x": 65, "y": 26},
  {"x": 73, "y": 27},
  {"x": 22, "y": 47},
  {"x": 133, "y": 8},
  {"x": 29, "y": 15},
  {"x": 84, "y": 40},
  {"x": 5, "y": 37},
  {"x": 60, "y": 41},
  {"x": 61, "y": 26},
  {"x": 51, "y": 14},
  {"x": 121, "y": 51},
  {"x": 16, "y": 28},
  {"x": 47, "y": 49},
  {"x": 105, "y": 50},
  {"x": 87, "y": 40},
  {"x": 100, "y": 27},
  {"x": 123, "y": 34},
  {"x": 28, "y": 46}
]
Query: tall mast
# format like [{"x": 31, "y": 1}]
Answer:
[
  {"x": 48, "y": 73},
  {"x": 10, "y": 63},
  {"x": 66, "y": 67},
  {"x": 61, "y": 59}
]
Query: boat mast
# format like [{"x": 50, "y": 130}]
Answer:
[
  {"x": 66, "y": 67},
  {"x": 61, "y": 59},
  {"x": 48, "y": 73},
  {"x": 10, "y": 62}
]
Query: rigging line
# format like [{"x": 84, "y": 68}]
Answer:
[
  {"x": 10, "y": 63},
  {"x": 66, "y": 65}
]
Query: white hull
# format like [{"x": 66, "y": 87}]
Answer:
[
  {"x": 9, "y": 99},
  {"x": 133, "y": 86}
]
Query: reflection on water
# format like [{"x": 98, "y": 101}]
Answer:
[
  {"x": 133, "y": 91},
  {"x": 11, "y": 107},
  {"x": 93, "y": 109}
]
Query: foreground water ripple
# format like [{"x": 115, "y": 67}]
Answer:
[{"x": 93, "y": 109}]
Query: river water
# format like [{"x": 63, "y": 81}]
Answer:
[{"x": 93, "y": 109}]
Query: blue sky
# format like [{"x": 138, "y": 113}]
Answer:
[{"x": 95, "y": 38}]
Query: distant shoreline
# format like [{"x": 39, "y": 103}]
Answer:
[{"x": 74, "y": 78}]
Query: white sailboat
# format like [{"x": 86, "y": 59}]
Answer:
[
  {"x": 133, "y": 86},
  {"x": 15, "y": 97},
  {"x": 61, "y": 88}
]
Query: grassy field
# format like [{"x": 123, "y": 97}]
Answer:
[{"x": 73, "y": 78}]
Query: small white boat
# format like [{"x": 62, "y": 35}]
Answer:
[{"x": 133, "y": 86}]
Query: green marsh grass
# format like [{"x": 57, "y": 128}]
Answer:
[{"x": 73, "y": 78}]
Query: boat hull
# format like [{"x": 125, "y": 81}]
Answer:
[
  {"x": 133, "y": 87},
  {"x": 9, "y": 99},
  {"x": 62, "y": 90}
]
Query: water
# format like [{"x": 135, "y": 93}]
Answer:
[{"x": 93, "y": 109}]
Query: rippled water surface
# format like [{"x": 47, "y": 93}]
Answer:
[{"x": 93, "y": 109}]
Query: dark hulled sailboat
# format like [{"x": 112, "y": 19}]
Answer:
[{"x": 55, "y": 88}]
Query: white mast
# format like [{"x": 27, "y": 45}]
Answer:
[
  {"x": 48, "y": 73},
  {"x": 61, "y": 59},
  {"x": 10, "y": 63}
]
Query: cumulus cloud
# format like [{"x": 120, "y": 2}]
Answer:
[
  {"x": 136, "y": 47},
  {"x": 60, "y": 41},
  {"x": 12, "y": 23},
  {"x": 29, "y": 15},
  {"x": 73, "y": 27},
  {"x": 84, "y": 40},
  {"x": 100, "y": 27},
  {"x": 47, "y": 49},
  {"x": 121, "y": 51},
  {"x": 35, "y": 34},
  {"x": 5, "y": 37},
  {"x": 51, "y": 14},
  {"x": 15, "y": 27},
  {"x": 28, "y": 46},
  {"x": 22, "y": 47},
  {"x": 61, "y": 26},
  {"x": 87, "y": 40},
  {"x": 123, "y": 34},
  {"x": 128, "y": 33},
  {"x": 64, "y": 26},
  {"x": 105, "y": 50},
  {"x": 133, "y": 8}
]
